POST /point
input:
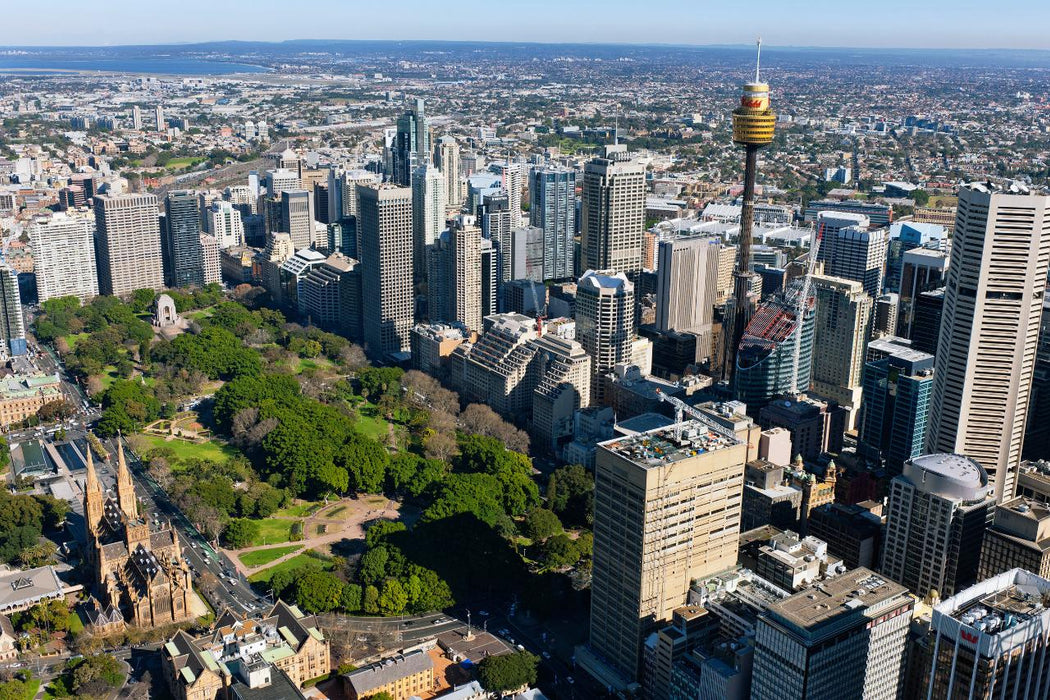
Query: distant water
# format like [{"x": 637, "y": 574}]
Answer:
[{"x": 163, "y": 65}]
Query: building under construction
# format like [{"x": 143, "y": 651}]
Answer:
[{"x": 776, "y": 352}]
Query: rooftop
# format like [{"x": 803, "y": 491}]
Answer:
[
  {"x": 659, "y": 447},
  {"x": 388, "y": 671},
  {"x": 828, "y": 600}
]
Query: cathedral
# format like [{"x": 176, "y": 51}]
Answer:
[{"x": 138, "y": 574}]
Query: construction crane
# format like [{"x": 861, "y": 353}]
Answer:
[
  {"x": 681, "y": 407},
  {"x": 800, "y": 309},
  {"x": 541, "y": 312}
]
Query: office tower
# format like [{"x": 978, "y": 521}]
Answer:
[
  {"x": 884, "y": 321},
  {"x": 385, "y": 234},
  {"x": 277, "y": 181},
  {"x": 613, "y": 213},
  {"x": 990, "y": 330},
  {"x": 136, "y": 118},
  {"x": 479, "y": 186},
  {"x": 184, "y": 264},
  {"x": 766, "y": 364},
  {"x": 988, "y": 641},
  {"x": 320, "y": 202},
  {"x": 158, "y": 118},
  {"x": 465, "y": 278},
  {"x": 64, "y": 257},
  {"x": 552, "y": 207},
  {"x": 666, "y": 512},
  {"x": 926, "y": 327},
  {"x": 1017, "y": 538},
  {"x": 877, "y": 214},
  {"x": 859, "y": 254},
  {"x": 922, "y": 269},
  {"x": 411, "y": 147},
  {"x": 489, "y": 278},
  {"x": 816, "y": 427},
  {"x": 342, "y": 191},
  {"x": 330, "y": 296},
  {"x": 428, "y": 214},
  {"x": 726, "y": 263},
  {"x": 896, "y": 407},
  {"x": 244, "y": 198},
  {"x": 494, "y": 215},
  {"x": 840, "y": 332},
  {"x": 439, "y": 279},
  {"x": 526, "y": 254},
  {"x": 12, "y": 323},
  {"x": 447, "y": 159},
  {"x": 753, "y": 124},
  {"x": 687, "y": 275},
  {"x": 563, "y": 386},
  {"x": 211, "y": 268},
  {"x": 224, "y": 222},
  {"x": 297, "y": 219},
  {"x": 511, "y": 180},
  {"x": 605, "y": 323},
  {"x": 853, "y": 531},
  {"x": 843, "y": 638},
  {"x": 936, "y": 515},
  {"x": 127, "y": 243}
]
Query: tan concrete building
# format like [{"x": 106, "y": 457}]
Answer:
[
  {"x": 385, "y": 248},
  {"x": 840, "y": 335},
  {"x": 666, "y": 512},
  {"x": 402, "y": 677},
  {"x": 22, "y": 396},
  {"x": 127, "y": 243},
  {"x": 1019, "y": 537},
  {"x": 993, "y": 303},
  {"x": 613, "y": 213},
  {"x": 605, "y": 323},
  {"x": 244, "y": 652}
]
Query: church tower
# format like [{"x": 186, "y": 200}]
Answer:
[
  {"x": 125, "y": 487},
  {"x": 93, "y": 507}
]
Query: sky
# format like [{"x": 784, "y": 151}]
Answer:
[{"x": 885, "y": 23}]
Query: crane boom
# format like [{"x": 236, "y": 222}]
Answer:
[
  {"x": 800, "y": 309},
  {"x": 681, "y": 407}
]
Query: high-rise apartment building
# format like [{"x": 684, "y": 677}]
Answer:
[
  {"x": 666, "y": 512},
  {"x": 182, "y": 240},
  {"x": 841, "y": 333},
  {"x": 223, "y": 220},
  {"x": 922, "y": 269},
  {"x": 605, "y": 323},
  {"x": 687, "y": 276},
  {"x": 856, "y": 253},
  {"x": 563, "y": 386},
  {"x": 64, "y": 257},
  {"x": 211, "y": 266},
  {"x": 297, "y": 217},
  {"x": 896, "y": 404},
  {"x": 136, "y": 118},
  {"x": 552, "y": 194},
  {"x": 936, "y": 515},
  {"x": 465, "y": 280},
  {"x": 993, "y": 302},
  {"x": 843, "y": 638},
  {"x": 988, "y": 641},
  {"x": 512, "y": 180},
  {"x": 128, "y": 244},
  {"x": 158, "y": 118},
  {"x": 428, "y": 213},
  {"x": 12, "y": 323},
  {"x": 446, "y": 157},
  {"x": 385, "y": 232},
  {"x": 495, "y": 219},
  {"x": 411, "y": 147},
  {"x": 613, "y": 213}
]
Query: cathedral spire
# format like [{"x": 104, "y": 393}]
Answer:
[
  {"x": 93, "y": 509},
  {"x": 125, "y": 487}
]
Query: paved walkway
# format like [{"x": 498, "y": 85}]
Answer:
[{"x": 348, "y": 525}]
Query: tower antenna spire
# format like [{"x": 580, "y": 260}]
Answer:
[{"x": 758, "y": 59}]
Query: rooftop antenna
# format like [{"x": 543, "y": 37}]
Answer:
[{"x": 758, "y": 59}]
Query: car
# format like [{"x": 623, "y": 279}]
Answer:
[
  {"x": 547, "y": 655},
  {"x": 409, "y": 623},
  {"x": 483, "y": 613},
  {"x": 570, "y": 679},
  {"x": 438, "y": 621}
]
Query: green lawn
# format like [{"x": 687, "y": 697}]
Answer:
[
  {"x": 76, "y": 625},
  {"x": 273, "y": 531},
  {"x": 335, "y": 512},
  {"x": 210, "y": 450},
  {"x": 298, "y": 510},
  {"x": 109, "y": 376},
  {"x": 75, "y": 338},
  {"x": 265, "y": 556},
  {"x": 184, "y": 162},
  {"x": 32, "y": 687},
  {"x": 370, "y": 423},
  {"x": 307, "y": 558}
]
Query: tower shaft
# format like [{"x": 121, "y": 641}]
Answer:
[{"x": 743, "y": 299}]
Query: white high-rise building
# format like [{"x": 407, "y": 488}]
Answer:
[
  {"x": 158, "y": 118},
  {"x": 447, "y": 159},
  {"x": 465, "y": 282},
  {"x": 136, "y": 118},
  {"x": 210, "y": 259},
  {"x": 613, "y": 213},
  {"x": 127, "y": 243},
  {"x": 687, "y": 278},
  {"x": 276, "y": 181},
  {"x": 64, "y": 257},
  {"x": 342, "y": 191},
  {"x": 428, "y": 213},
  {"x": 993, "y": 302},
  {"x": 840, "y": 335},
  {"x": 224, "y": 222},
  {"x": 385, "y": 234},
  {"x": 513, "y": 179},
  {"x": 605, "y": 323}
]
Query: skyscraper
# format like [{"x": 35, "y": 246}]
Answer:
[
  {"x": 158, "y": 118},
  {"x": 922, "y": 269},
  {"x": 465, "y": 280},
  {"x": 64, "y": 257},
  {"x": 841, "y": 333},
  {"x": 385, "y": 231},
  {"x": 687, "y": 276},
  {"x": 613, "y": 213},
  {"x": 12, "y": 323},
  {"x": 182, "y": 239},
  {"x": 297, "y": 217},
  {"x": 411, "y": 143},
  {"x": 447, "y": 159},
  {"x": 224, "y": 222},
  {"x": 428, "y": 213},
  {"x": 896, "y": 405},
  {"x": 552, "y": 193},
  {"x": 844, "y": 638},
  {"x": 936, "y": 515},
  {"x": 605, "y": 323},
  {"x": 512, "y": 181},
  {"x": 127, "y": 243},
  {"x": 494, "y": 216},
  {"x": 990, "y": 328},
  {"x": 857, "y": 254},
  {"x": 666, "y": 512},
  {"x": 136, "y": 118}
]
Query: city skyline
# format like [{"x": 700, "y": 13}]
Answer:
[{"x": 970, "y": 25}]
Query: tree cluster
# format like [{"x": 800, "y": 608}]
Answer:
[
  {"x": 506, "y": 672},
  {"x": 23, "y": 519}
]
